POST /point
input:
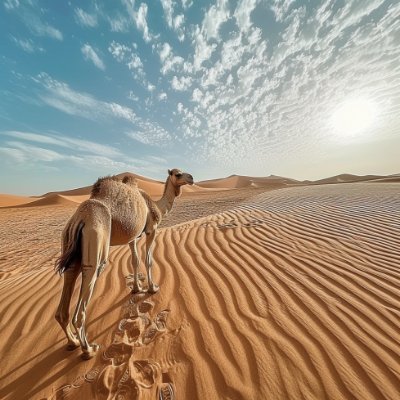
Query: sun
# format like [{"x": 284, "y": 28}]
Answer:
[{"x": 354, "y": 116}]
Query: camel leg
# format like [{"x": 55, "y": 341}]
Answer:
[
  {"x": 95, "y": 247},
  {"x": 135, "y": 263},
  {"x": 153, "y": 288},
  {"x": 62, "y": 314},
  {"x": 89, "y": 276}
]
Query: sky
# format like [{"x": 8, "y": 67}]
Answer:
[{"x": 298, "y": 88}]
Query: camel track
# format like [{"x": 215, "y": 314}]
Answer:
[{"x": 291, "y": 295}]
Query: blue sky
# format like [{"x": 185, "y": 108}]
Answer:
[{"x": 300, "y": 88}]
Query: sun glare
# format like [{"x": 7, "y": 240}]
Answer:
[{"x": 354, "y": 116}]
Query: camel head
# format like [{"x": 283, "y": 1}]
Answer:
[{"x": 179, "y": 178}]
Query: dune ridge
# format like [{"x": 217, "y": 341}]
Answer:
[{"x": 293, "y": 294}]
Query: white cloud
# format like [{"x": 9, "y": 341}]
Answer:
[
  {"x": 151, "y": 135},
  {"x": 85, "y": 19},
  {"x": 16, "y": 155},
  {"x": 11, "y": 4},
  {"x": 168, "y": 11},
  {"x": 90, "y": 54},
  {"x": 280, "y": 8},
  {"x": 28, "y": 14},
  {"x": 66, "y": 142},
  {"x": 85, "y": 154},
  {"x": 60, "y": 96},
  {"x": 35, "y": 153},
  {"x": 41, "y": 29},
  {"x": 139, "y": 18},
  {"x": 186, "y": 4},
  {"x": 182, "y": 83},
  {"x": 197, "y": 95},
  {"x": 169, "y": 61},
  {"x": 174, "y": 22},
  {"x": 242, "y": 13},
  {"x": 132, "y": 96},
  {"x": 27, "y": 45},
  {"x": 203, "y": 50},
  {"x": 119, "y": 51},
  {"x": 129, "y": 57},
  {"x": 141, "y": 22},
  {"x": 118, "y": 24},
  {"x": 215, "y": 16},
  {"x": 162, "y": 96}
]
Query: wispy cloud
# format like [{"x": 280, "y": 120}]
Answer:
[
  {"x": 27, "y": 45},
  {"x": 66, "y": 142},
  {"x": 118, "y": 23},
  {"x": 215, "y": 16},
  {"x": 11, "y": 4},
  {"x": 59, "y": 95},
  {"x": 139, "y": 17},
  {"x": 149, "y": 137},
  {"x": 128, "y": 56},
  {"x": 84, "y": 18},
  {"x": 34, "y": 153},
  {"x": 169, "y": 61},
  {"x": 90, "y": 54},
  {"x": 175, "y": 22},
  {"x": 40, "y": 28},
  {"x": 181, "y": 84},
  {"x": 28, "y": 14},
  {"x": 12, "y": 154}
]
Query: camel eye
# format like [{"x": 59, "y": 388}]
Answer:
[{"x": 178, "y": 175}]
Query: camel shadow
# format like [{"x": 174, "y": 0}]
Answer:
[{"x": 25, "y": 386}]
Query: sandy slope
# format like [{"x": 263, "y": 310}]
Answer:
[
  {"x": 292, "y": 295},
  {"x": 239, "y": 181},
  {"x": 9, "y": 200}
]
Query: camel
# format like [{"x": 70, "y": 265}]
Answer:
[{"x": 116, "y": 213}]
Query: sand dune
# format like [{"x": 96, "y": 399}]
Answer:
[
  {"x": 238, "y": 181},
  {"x": 9, "y": 200},
  {"x": 152, "y": 187},
  {"x": 54, "y": 199},
  {"x": 293, "y": 294},
  {"x": 346, "y": 178},
  {"x": 388, "y": 179}
]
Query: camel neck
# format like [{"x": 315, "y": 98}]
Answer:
[{"x": 167, "y": 200}]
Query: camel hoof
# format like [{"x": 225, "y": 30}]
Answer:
[
  {"x": 153, "y": 288},
  {"x": 90, "y": 352}
]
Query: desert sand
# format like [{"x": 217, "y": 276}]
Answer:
[{"x": 270, "y": 289}]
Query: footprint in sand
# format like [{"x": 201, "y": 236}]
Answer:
[
  {"x": 120, "y": 375},
  {"x": 229, "y": 225}
]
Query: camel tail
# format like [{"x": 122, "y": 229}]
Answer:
[{"x": 71, "y": 248}]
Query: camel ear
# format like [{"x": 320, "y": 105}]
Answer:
[{"x": 169, "y": 172}]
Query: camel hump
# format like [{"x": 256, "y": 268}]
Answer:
[
  {"x": 130, "y": 180},
  {"x": 106, "y": 183}
]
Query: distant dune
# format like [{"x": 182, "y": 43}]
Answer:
[
  {"x": 346, "y": 178},
  {"x": 155, "y": 188},
  {"x": 388, "y": 179},
  {"x": 9, "y": 200},
  {"x": 239, "y": 181},
  {"x": 54, "y": 199}
]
